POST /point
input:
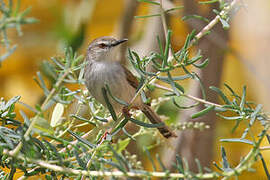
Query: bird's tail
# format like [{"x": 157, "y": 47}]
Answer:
[{"x": 155, "y": 119}]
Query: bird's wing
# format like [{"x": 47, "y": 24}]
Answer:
[{"x": 132, "y": 80}]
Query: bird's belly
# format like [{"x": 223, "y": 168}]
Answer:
[{"x": 115, "y": 78}]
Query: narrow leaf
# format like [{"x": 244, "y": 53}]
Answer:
[
  {"x": 246, "y": 141},
  {"x": 119, "y": 127},
  {"x": 225, "y": 162},
  {"x": 195, "y": 17},
  {"x": 167, "y": 48},
  {"x": 224, "y": 23},
  {"x": 109, "y": 105},
  {"x": 230, "y": 118},
  {"x": 203, "y": 112},
  {"x": 255, "y": 113},
  {"x": 203, "y": 64},
  {"x": 243, "y": 99},
  {"x": 11, "y": 102},
  {"x": 115, "y": 98},
  {"x": 149, "y": 2},
  {"x": 179, "y": 164},
  {"x": 82, "y": 119},
  {"x": 146, "y": 16},
  {"x": 79, "y": 160},
  {"x": 84, "y": 141},
  {"x": 161, "y": 163},
  {"x": 222, "y": 95},
  {"x": 208, "y": 2},
  {"x": 150, "y": 158},
  {"x": 264, "y": 166},
  {"x": 140, "y": 123}
]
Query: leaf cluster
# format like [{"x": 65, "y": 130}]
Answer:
[{"x": 52, "y": 143}]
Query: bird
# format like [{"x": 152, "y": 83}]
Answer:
[{"x": 102, "y": 69}]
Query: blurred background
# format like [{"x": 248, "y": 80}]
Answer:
[{"x": 239, "y": 57}]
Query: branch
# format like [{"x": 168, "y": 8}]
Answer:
[
  {"x": 15, "y": 151},
  {"x": 210, "y": 25}
]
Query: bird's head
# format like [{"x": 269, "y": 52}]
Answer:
[{"x": 103, "y": 49}]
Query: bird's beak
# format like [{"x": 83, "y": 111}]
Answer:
[{"x": 119, "y": 42}]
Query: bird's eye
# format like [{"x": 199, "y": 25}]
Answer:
[{"x": 102, "y": 45}]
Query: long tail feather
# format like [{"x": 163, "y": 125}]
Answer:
[{"x": 155, "y": 119}]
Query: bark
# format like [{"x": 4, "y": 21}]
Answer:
[{"x": 130, "y": 8}]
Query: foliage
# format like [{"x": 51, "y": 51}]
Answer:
[
  {"x": 12, "y": 18},
  {"x": 62, "y": 149}
]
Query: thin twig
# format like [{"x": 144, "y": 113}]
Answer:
[
  {"x": 211, "y": 24},
  {"x": 188, "y": 96},
  {"x": 242, "y": 166}
]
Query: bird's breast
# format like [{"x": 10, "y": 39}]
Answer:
[{"x": 112, "y": 74}]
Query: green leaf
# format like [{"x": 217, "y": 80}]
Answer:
[
  {"x": 246, "y": 141},
  {"x": 167, "y": 48},
  {"x": 179, "y": 163},
  {"x": 128, "y": 135},
  {"x": 208, "y": 2},
  {"x": 122, "y": 144},
  {"x": 109, "y": 105},
  {"x": 174, "y": 85},
  {"x": 173, "y": 9},
  {"x": 56, "y": 153},
  {"x": 220, "y": 109},
  {"x": 203, "y": 64},
  {"x": 100, "y": 119},
  {"x": 264, "y": 166},
  {"x": 57, "y": 114},
  {"x": 146, "y": 16},
  {"x": 122, "y": 161},
  {"x": 255, "y": 113},
  {"x": 203, "y": 112},
  {"x": 216, "y": 165},
  {"x": 224, "y": 23},
  {"x": 79, "y": 160},
  {"x": 49, "y": 70},
  {"x": 25, "y": 118},
  {"x": 225, "y": 162},
  {"x": 174, "y": 78},
  {"x": 195, "y": 17},
  {"x": 161, "y": 163},
  {"x": 195, "y": 58},
  {"x": 149, "y": 2},
  {"x": 230, "y": 118},
  {"x": 11, "y": 102},
  {"x": 42, "y": 125},
  {"x": 82, "y": 119},
  {"x": 243, "y": 99},
  {"x": 115, "y": 98},
  {"x": 231, "y": 90},
  {"x": 84, "y": 141},
  {"x": 119, "y": 127},
  {"x": 140, "y": 123},
  {"x": 196, "y": 77},
  {"x": 222, "y": 95},
  {"x": 184, "y": 107},
  {"x": 150, "y": 158},
  {"x": 113, "y": 164},
  {"x": 41, "y": 83}
]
